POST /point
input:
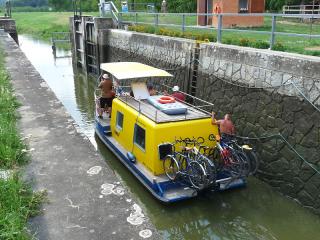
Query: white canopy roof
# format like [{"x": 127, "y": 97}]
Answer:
[{"x": 129, "y": 70}]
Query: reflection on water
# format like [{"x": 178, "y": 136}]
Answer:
[
  {"x": 255, "y": 212},
  {"x": 73, "y": 90}
]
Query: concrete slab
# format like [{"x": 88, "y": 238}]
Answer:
[{"x": 87, "y": 200}]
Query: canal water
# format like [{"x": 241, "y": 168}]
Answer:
[{"x": 255, "y": 212}]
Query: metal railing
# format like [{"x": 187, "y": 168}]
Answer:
[
  {"x": 203, "y": 107},
  {"x": 179, "y": 22},
  {"x": 142, "y": 7},
  {"x": 109, "y": 8},
  {"x": 301, "y": 9},
  {"x": 60, "y": 37}
]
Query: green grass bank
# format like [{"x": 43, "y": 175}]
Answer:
[
  {"x": 42, "y": 24},
  {"x": 17, "y": 200}
]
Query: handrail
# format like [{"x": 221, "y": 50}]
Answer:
[
  {"x": 114, "y": 6},
  {"x": 198, "y": 99},
  {"x": 125, "y": 98},
  {"x": 156, "y": 18},
  {"x": 222, "y": 14},
  {"x": 115, "y": 16},
  {"x": 113, "y": 10},
  {"x": 290, "y": 6},
  {"x": 301, "y": 10}
]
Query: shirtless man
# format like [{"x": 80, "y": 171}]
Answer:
[
  {"x": 107, "y": 95},
  {"x": 226, "y": 125}
]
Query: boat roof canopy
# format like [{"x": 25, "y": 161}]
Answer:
[{"x": 132, "y": 70}]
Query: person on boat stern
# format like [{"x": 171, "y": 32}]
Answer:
[
  {"x": 151, "y": 90},
  {"x": 107, "y": 95},
  {"x": 178, "y": 95},
  {"x": 226, "y": 126}
]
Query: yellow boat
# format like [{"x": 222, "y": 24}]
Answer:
[{"x": 142, "y": 132}]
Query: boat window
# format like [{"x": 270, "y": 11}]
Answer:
[
  {"x": 119, "y": 123},
  {"x": 140, "y": 136}
]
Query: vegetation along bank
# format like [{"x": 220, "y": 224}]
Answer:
[{"x": 17, "y": 200}]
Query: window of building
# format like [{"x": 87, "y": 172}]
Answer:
[
  {"x": 140, "y": 136},
  {"x": 243, "y": 6},
  {"x": 119, "y": 123}
]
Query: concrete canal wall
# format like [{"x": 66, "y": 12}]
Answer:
[
  {"x": 9, "y": 26},
  {"x": 270, "y": 110},
  {"x": 262, "y": 89}
]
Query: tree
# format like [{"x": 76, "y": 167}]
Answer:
[
  {"x": 182, "y": 6},
  {"x": 61, "y": 4}
]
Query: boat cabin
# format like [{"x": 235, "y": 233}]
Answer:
[{"x": 140, "y": 124}]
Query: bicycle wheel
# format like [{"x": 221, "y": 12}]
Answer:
[
  {"x": 215, "y": 155},
  {"x": 254, "y": 162},
  {"x": 245, "y": 163},
  {"x": 171, "y": 167},
  {"x": 196, "y": 175},
  {"x": 234, "y": 165},
  {"x": 210, "y": 170},
  {"x": 182, "y": 161}
]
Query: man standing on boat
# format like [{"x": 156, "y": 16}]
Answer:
[
  {"x": 225, "y": 125},
  {"x": 107, "y": 95}
]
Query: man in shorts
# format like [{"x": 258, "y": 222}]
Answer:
[
  {"x": 225, "y": 125},
  {"x": 107, "y": 95}
]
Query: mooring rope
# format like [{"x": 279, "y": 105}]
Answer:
[
  {"x": 305, "y": 97},
  {"x": 279, "y": 135}
]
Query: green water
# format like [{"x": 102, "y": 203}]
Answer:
[{"x": 255, "y": 212}]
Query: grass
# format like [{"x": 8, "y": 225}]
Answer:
[
  {"x": 17, "y": 200},
  {"x": 11, "y": 148},
  {"x": 17, "y": 203},
  {"x": 43, "y": 24}
]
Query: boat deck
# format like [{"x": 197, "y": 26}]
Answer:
[{"x": 156, "y": 115}]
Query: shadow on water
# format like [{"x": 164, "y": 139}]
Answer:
[{"x": 255, "y": 212}]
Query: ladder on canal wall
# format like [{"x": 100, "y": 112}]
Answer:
[
  {"x": 60, "y": 37},
  {"x": 194, "y": 69}
]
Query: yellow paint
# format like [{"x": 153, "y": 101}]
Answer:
[{"x": 155, "y": 134}]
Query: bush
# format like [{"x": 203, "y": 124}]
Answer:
[
  {"x": 278, "y": 47},
  {"x": 212, "y": 38},
  {"x": 260, "y": 44},
  {"x": 313, "y": 53},
  {"x": 244, "y": 42}
]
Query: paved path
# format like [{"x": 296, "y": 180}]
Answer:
[{"x": 85, "y": 202}]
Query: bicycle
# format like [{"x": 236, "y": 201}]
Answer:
[
  {"x": 177, "y": 166},
  {"x": 209, "y": 167},
  {"x": 252, "y": 163},
  {"x": 229, "y": 159}
]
